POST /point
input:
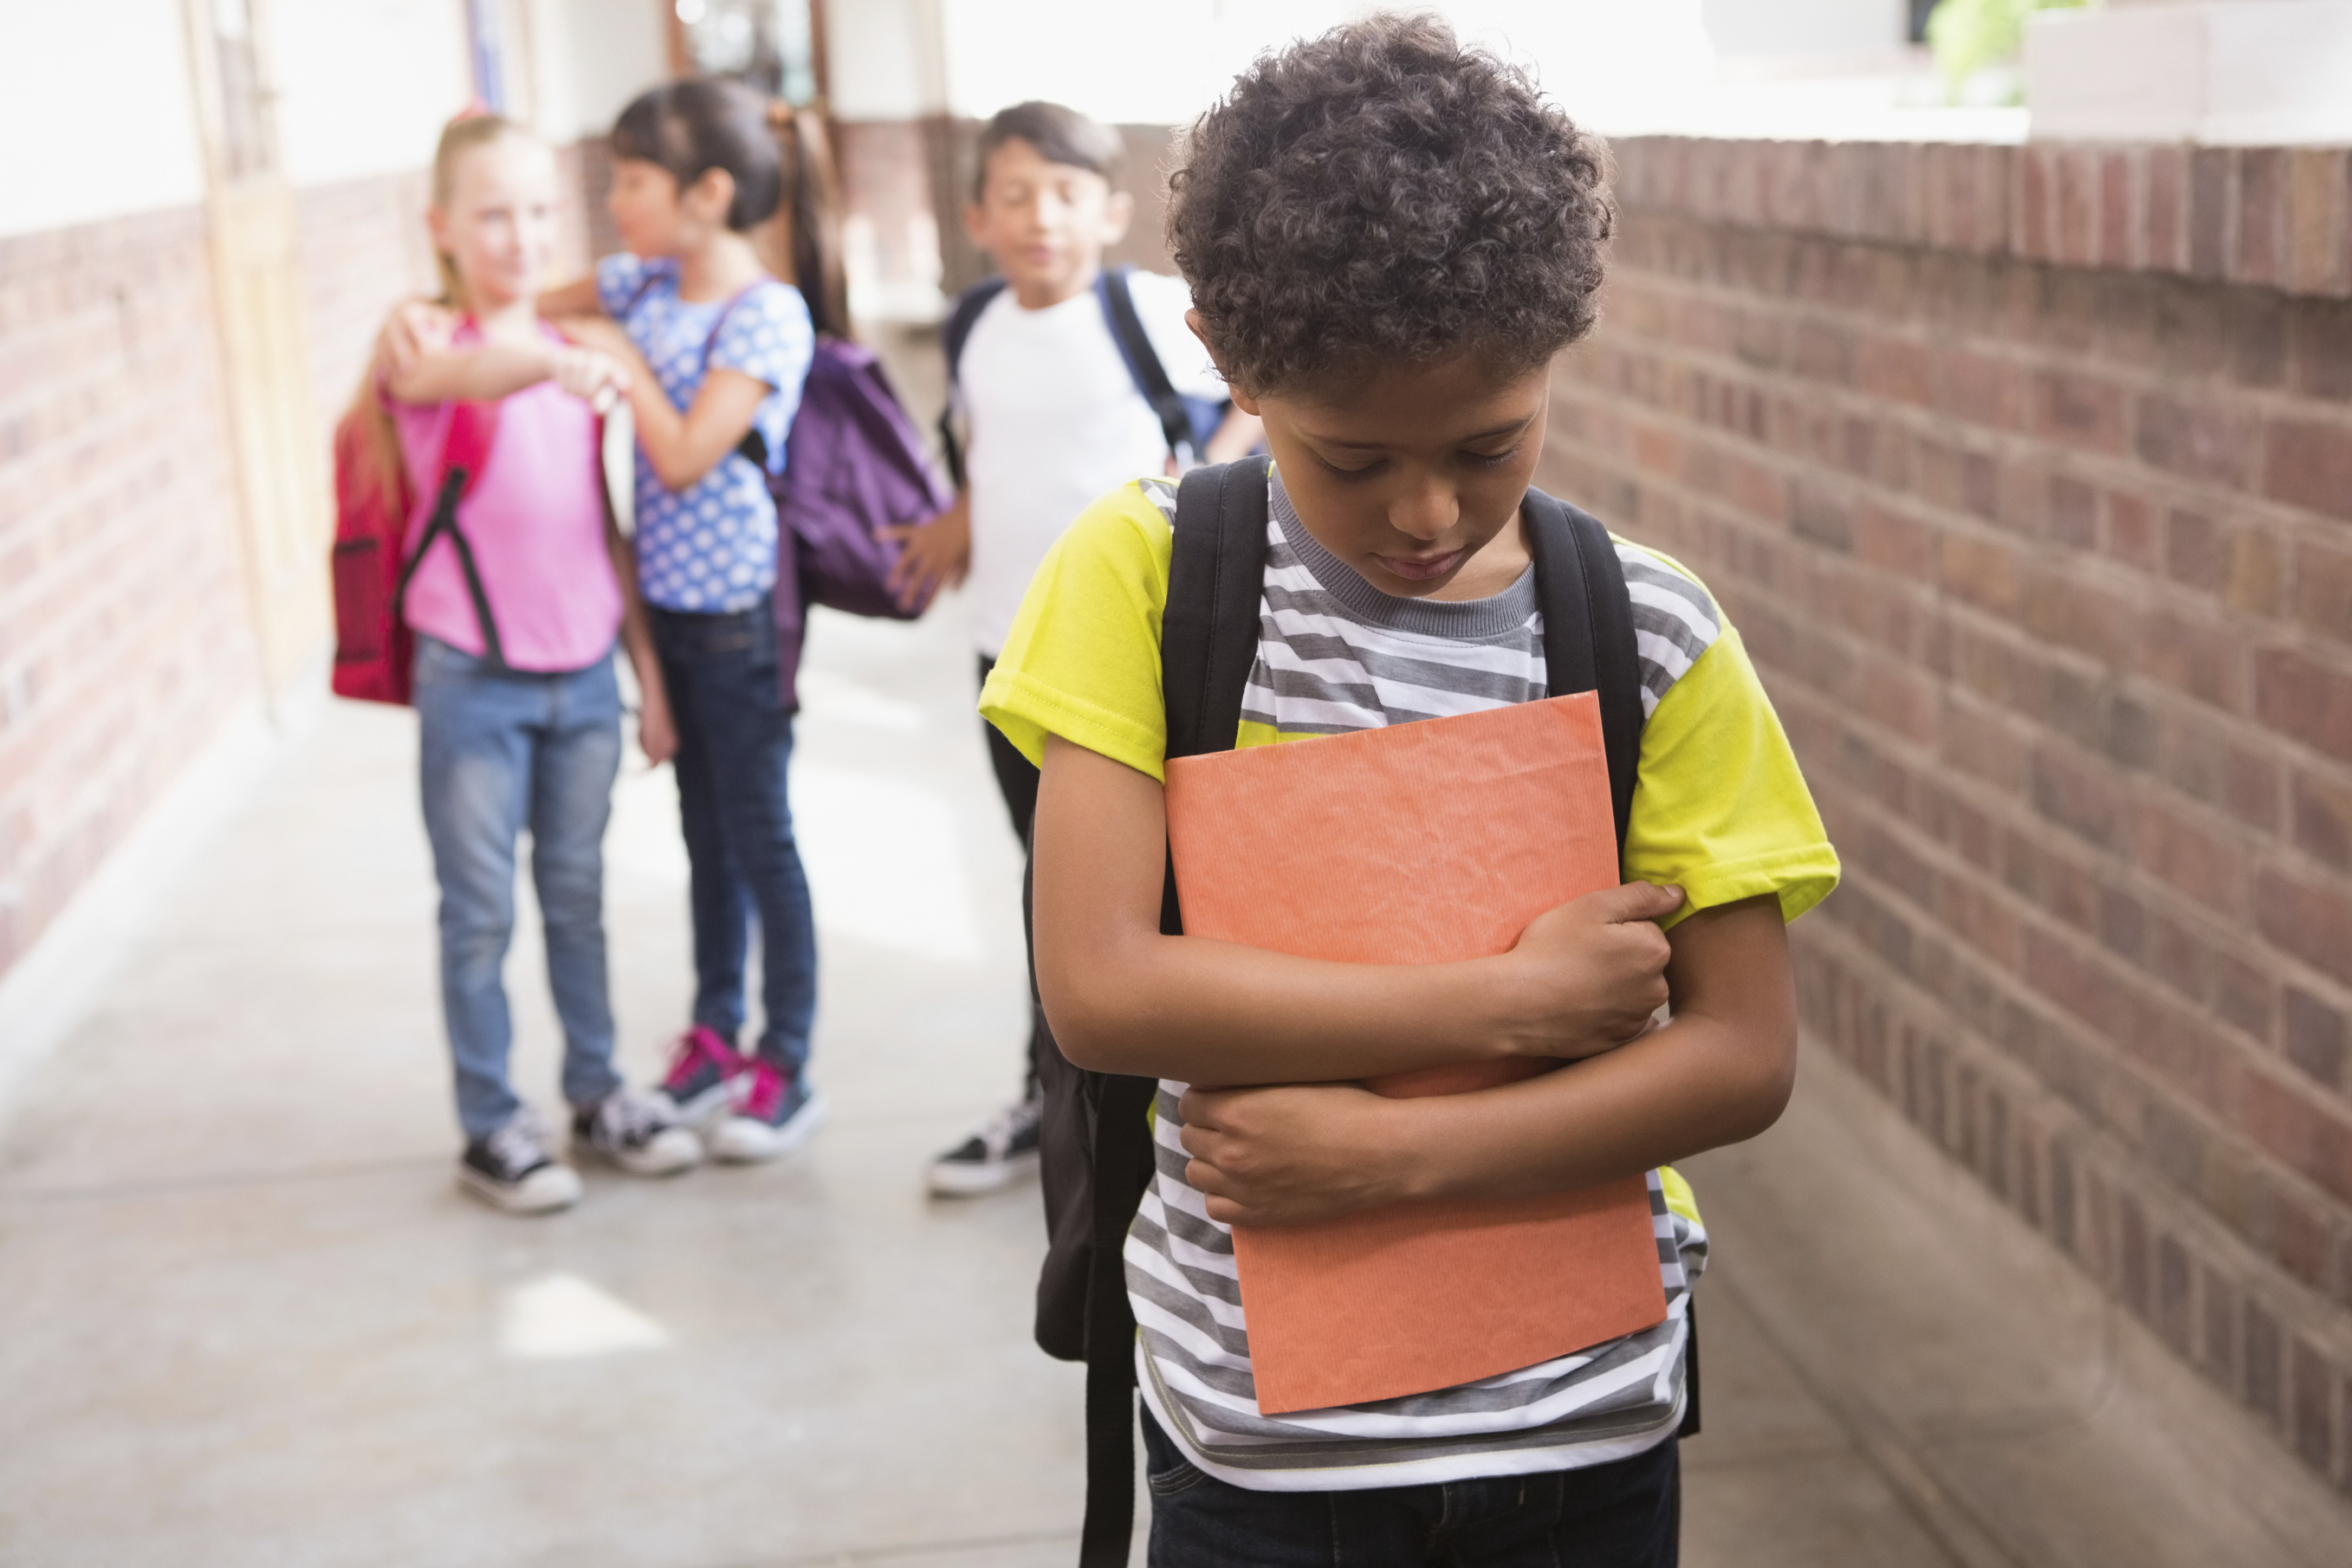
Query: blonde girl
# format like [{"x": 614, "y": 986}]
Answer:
[{"x": 519, "y": 701}]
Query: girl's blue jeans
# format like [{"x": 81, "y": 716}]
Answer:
[
  {"x": 734, "y": 744},
  {"x": 503, "y": 751}
]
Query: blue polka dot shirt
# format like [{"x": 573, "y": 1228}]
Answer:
[{"x": 710, "y": 548}]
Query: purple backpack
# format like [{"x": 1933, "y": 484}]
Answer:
[{"x": 852, "y": 466}]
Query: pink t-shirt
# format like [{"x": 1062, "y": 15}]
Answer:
[{"x": 536, "y": 520}]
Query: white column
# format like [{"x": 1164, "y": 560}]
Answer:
[{"x": 2214, "y": 72}]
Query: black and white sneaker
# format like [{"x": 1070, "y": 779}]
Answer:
[
  {"x": 637, "y": 1132},
  {"x": 992, "y": 1158},
  {"x": 511, "y": 1169}
]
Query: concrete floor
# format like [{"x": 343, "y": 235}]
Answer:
[{"x": 246, "y": 1317}]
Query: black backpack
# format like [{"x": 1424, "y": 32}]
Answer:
[
  {"x": 1094, "y": 1140},
  {"x": 1186, "y": 423}
]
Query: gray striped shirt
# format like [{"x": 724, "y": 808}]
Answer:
[{"x": 1337, "y": 655}]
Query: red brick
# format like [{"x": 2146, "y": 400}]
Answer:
[
  {"x": 1980, "y": 571},
  {"x": 2309, "y": 463},
  {"x": 2262, "y": 216},
  {"x": 2198, "y": 657},
  {"x": 2314, "y": 1036},
  {"x": 2131, "y": 529},
  {"x": 2075, "y": 614},
  {"x": 2302, "y": 917},
  {"x": 2320, "y": 335},
  {"x": 2299, "y": 697},
  {"x": 2164, "y": 230},
  {"x": 2035, "y": 198},
  {"x": 2200, "y": 441},
  {"x": 2083, "y": 799},
  {"x": 2077, "y": 171},
  {"x": 1981, "y": 388},
  {"x": 2322, "y": 818},
  {"x": 2205, "y": 868},
  {"x": 2313, "y": 1142},
  {"x": 2323, "y": 590},
  {"x": 2211, "y": 194},
  {"x": 2080, "y": 410},
  {"x": 2115, "y": 230}
]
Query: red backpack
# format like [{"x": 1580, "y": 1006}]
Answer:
[{"x": 374, "y": 649}]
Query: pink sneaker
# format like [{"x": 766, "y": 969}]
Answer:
[
  {"x": 701, "y": 1078},
  {"x": 775, "y": 1117}
]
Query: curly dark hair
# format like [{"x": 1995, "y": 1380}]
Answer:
[{"x": 1383, "y": 194}]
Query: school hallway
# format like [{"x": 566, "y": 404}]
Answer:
[{"x": 246, "y": 1317}]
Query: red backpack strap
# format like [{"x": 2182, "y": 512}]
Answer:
[{"x": 468, "y": 430}]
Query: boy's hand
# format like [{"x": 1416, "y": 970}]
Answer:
[
  {"x": 1291, "y": 1154},
  {"x": 938, "y": 553},
  {"x": 415, "y": 329},
  {"x": 1597, "y": 970}
]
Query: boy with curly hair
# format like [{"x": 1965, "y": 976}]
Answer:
[{"x": 1388, "y": 238}]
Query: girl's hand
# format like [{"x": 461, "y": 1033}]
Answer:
[
  {"x": 590, "y": 374},
  {"x": 656, "y": 732},
  {"x": 1295, "y": 1153},
  {"x": 1594, "y": 970},
  {"x": 415, "y": 328}
]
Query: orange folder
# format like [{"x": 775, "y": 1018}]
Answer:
[{"x": 1423, "y": 843}]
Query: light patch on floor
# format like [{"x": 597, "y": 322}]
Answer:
[
  {"x": 885, "y": 864},
  {"x": 827, "y": 696},
  {"x": 562, "y": 1317}
]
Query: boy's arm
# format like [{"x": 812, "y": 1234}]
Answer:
[
  {"x": 682, "y": 447},
  {"x": 1719, "y": 1072},
  {"x": 1124, "y": 998},
  {"x": 937, "y": 553},
  {"x": 656, "y": 732}
]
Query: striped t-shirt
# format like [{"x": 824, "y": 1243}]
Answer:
[{"x": 1337, "y": 655}]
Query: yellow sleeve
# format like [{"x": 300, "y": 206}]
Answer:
[
  {"x": 1719, "y": 807},
  {"x": 1082, "y": 660}
]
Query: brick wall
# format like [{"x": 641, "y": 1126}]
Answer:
[
  {"x": 2027, "y": 474},
  {"x": 124, "y": 641}
]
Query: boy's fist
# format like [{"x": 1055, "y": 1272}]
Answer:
[{"x": 1596, "y": 969}]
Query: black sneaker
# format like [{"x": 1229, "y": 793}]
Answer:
[
  {"x": 637, "y": 1132},
  {"x": 992, "y": 1158},
  {"x": 511, "y": 1169}
]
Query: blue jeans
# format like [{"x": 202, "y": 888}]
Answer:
[
  {"x": 1625, "y": 1514},
  {"x": 734, "y": 743},
  {"x": 503, "y": 751}
]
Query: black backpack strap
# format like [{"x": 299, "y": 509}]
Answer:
[
  {"x": 954, "y": 332},
  {"x": 1143, "y": 363},
  {"x": 445, "y": 520},
  {"x": 1589, "y": 633},
  {"x": 1208, "y": 643},
  {"x": 1577, "y": 570}
]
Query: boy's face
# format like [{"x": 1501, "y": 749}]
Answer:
[
  {"x": 1045, "y": 224},
  {"x": 1414, "y": 474}
]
